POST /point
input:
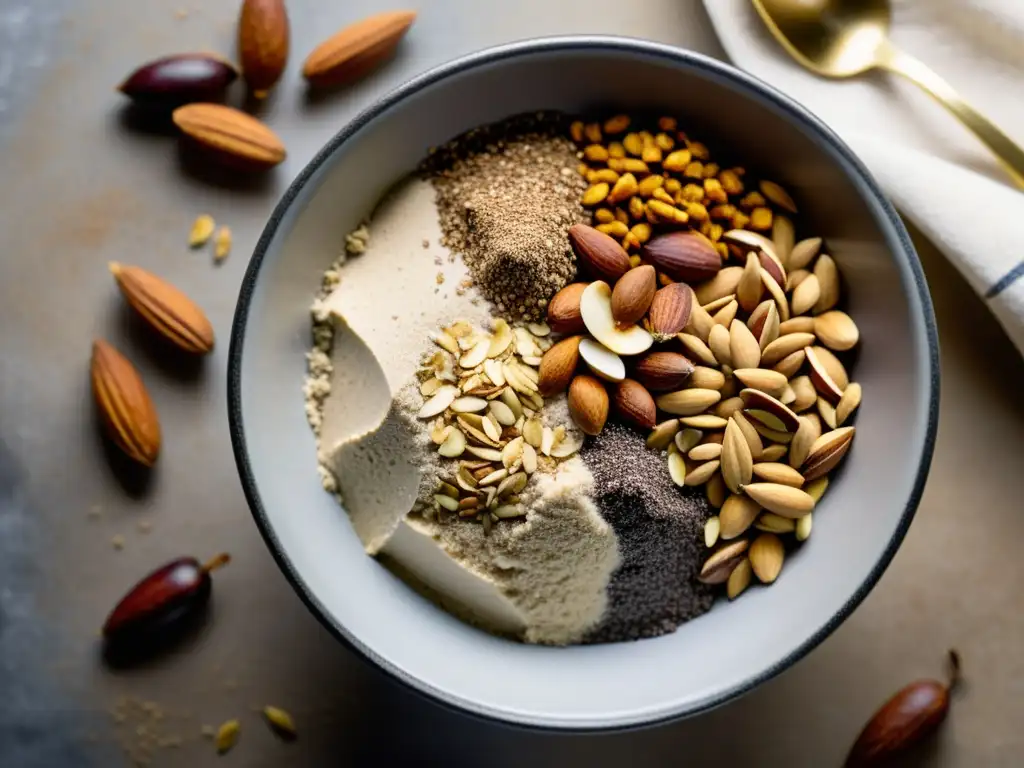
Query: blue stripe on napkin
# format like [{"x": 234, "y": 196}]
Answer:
[{"x": 1005, "y": 281}]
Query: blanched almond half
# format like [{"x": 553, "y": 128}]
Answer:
[
  {"x": 722, "y": 284},
  {"x": 836, "y": 330},
  {"x": 803, "y": 253},
  {"x": 688, "y": 402},
  {"x": 759, "y": 403},
  {"x": 719, "y": 342},
  {"x": 596, "y": 310},
  {"x": 781, "y": 499},
  {"x": 602, "y": 361},
  {"x": 737, "y": 515},
  {"x": 772, "y": 382},
  {"x": 774, "y": 472},
  {"x": 820, "y": 377},
  {"x": 785, "y": 345}
]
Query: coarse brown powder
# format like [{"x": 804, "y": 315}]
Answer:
[
  {"x": 660, "y": 529},
  {"x": 507, "y": 194}
]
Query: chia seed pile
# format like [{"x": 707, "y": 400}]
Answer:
[
  {"x": 507, "y": 194},
  {"x": 660, "y": 528}
]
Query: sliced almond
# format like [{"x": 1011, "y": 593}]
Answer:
[
  {"x": 476, "y": 355},
  {"x": 785, "y": 345},
  {"x": 492, "y": 428},
  {"x": 781, "y": 499},
  {"x": 453, "y": 445},
  {"x": 720, "y": 564},
  {"x": 509, "y": 398},
  {"x": 772, "y": 523},
  {"x": 773, "y": 472},
  {"x": 602, "y": 361},
  {"x": 447, "y": 342},
  {"x": 547, "y": 440},
  {"x": 529, "y": 459},
  {"x": 760, "y": 378},
  {"x": 739, "y": 579},
  {"x": 488, "y": 454},
  {"x": 501, "y": 413},
  {"x": 804, "y": 437},
  {"x": 737, "y": 515},
  {"x": 533, "y": 432},
  {"x": 687, "y": 439},
  {"x": 711, "y": 528},
  {"x": 697, "y": 349},
  {"x": 596, "y": 310},
  {"x": 565, "y": 448},
  {"x": 766, "y": 556},
  {"x": 500, "y": 340},
  {"x": 701, "y": 473},
  {"x": 827, "y": 451},
  {"x": 836, "y": 330},
  {"x": 677, "y": 469},
  {"x": 688, "y": 402},
  {"x": 848, "y": 403},
  {"x": 438, "y": 402},
  {"x": 661, "y": 436},
  {"x": 744, "y": 350},
  {"x": 737, "y": 463},
  {"x": 492, "y": 369},
  {"x": 430, "y": 386},
  {"x": 469, "y": 404}
]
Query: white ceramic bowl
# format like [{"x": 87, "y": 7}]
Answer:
[{"x": 736, "y": 646}]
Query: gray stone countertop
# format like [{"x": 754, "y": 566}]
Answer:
[{"x": 81, "y": 187}]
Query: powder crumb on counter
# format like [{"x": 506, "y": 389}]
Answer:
[
  {"x": 506, "y": 204},
  {"x": 660, "y": 529},
  {"x": 117, "y": 542}
]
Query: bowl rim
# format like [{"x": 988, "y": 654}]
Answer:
[{"x": 891, "y": 225}]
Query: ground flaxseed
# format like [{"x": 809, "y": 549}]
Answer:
[
  {"x": 660, "y": 530},
  {"x": 507, "y": 194}
]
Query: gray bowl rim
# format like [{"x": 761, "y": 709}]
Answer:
[{"x": 892, "y": 227}]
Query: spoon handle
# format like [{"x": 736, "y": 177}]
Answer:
[{"x": 1006, "y": 150}]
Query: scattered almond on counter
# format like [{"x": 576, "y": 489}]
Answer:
[
  {"x": 263, "y": 38},
  {"x": 125, "y": 408},
  {"x": 357, "y": 49}
]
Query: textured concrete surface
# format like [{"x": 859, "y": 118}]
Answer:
[{"x": 82, "y": 186}]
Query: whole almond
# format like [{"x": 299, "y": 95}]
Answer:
[
  {"x": 263, "y": 32},
  {"x": 737, "y": 515},
  {"x": 125, "y": 407},
  {"x": 558, "y": 366},
  {"x": 632, "y": 295},
  {"x": 670, "y": 311},
  {"x": 766, "y": 556},
  {"x": 716, "y": 569},
  {"x": 564, "y": 309},
  {"x": 722, "y": 284},
  {"x": 588, "y": 404},
  {"x": 783, "y": 500},
  {"x": 688, "y": 402},
  {"x": 634, "y": 404},
  {"x": 774, "y": 472},
  {"x": 684, "y": 256},
  {"x": 772, "y": 382},
  {"x": 836, "y": 330},
  {"x": 232, "y": 135},
  {"x": 827, "y": 451},
  {"x": 663, "y": 371},
  {"x": 167, "y": 310},
  {"x": 600, "y": 255},
  {"x": 357, "y": 49},
  {"x": 737, "y": 461}
]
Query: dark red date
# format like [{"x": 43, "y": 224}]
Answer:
[{"x": 180, "y": 79}]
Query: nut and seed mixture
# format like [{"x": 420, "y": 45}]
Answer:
[
  {"x": 507, "y": 194},
  {"x": 659, "y": 528}
]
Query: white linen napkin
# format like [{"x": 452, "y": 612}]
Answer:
[{"x": 936, "y": 172}]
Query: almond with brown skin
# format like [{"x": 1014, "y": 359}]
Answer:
[
  {"x": 558, "y": 366},
  {"x": 663, "y": 371},
  {"x": 600, "y": 255},
  {"x": 634, "y": 404},
  {"x": 169, "y": 311},
  {"x": 564, "y": 309},
  {"x": 632, "y": 295},
  {"x": 125, "y": 407},
  {"x": 684, "y": 256},
  {"x": 717, "y": 568},
  {"x": 826, "y": 452},
  {"x": 357, "y": 49},
  {"x": 670, "y": 311},
  {"x": 910, "y": 716},
  {"x": 588, "y": 404},
  {"x": 263, "y": 32},
  {"x": 231, "y": 135}
]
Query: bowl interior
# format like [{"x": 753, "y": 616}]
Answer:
[{"x": 857, "y": 527}]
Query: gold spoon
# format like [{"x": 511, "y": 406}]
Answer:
[{"x": 843, "y": 38}]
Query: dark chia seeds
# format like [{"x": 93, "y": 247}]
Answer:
[{"x": 660, "y": 529}]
